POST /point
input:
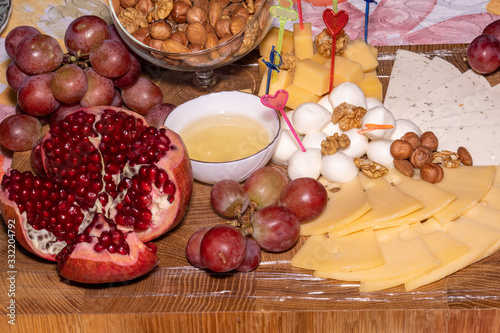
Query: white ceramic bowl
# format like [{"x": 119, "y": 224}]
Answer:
[{"x": 227, "y": 102}]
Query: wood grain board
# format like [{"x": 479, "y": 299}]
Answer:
[{"x": 176, "y": 297}]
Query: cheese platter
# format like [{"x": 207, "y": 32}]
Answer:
[{"x": 276, "y": 293}]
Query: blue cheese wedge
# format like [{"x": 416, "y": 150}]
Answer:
[
  {"x": 437, "y": 72},
  {"x": 401, "y": 77}
]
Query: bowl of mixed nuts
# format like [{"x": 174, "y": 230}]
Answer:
[{"x": 191, "y": 35}]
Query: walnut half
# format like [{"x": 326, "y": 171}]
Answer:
[
  {"x": 333, "y": 142},
  {"x": 348, "y": 116},
  {"x": 370, "y": 168},
  {"x": 446, "y": 158}
]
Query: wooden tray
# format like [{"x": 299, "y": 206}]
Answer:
[{"x": 176, "y": 297}]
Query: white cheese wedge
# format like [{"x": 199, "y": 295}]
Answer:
[
  {"x": 401, "y": 77},
  {"x": 490, "y": 117},
  {"x": 404, "y": 254},
  {"x": 388, "y": 203},
  {"x": 342, "y": 208},
  {"x": 476, "y": 236},
  {"x": 464, "y": 84},
  {"x": 469, "y": 184},
  {"x": 432, "y": 77},
  {"x": 356, "y": 251},
  {"x": 482, "y": 142}
]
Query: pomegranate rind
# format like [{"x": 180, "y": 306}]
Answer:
[
  {"x": 10, "y": 212},
  {"x": 84, "y": 266}
]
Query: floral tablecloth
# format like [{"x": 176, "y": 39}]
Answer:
[{"x": 391, "y": 22}]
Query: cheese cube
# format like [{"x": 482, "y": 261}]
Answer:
[
  {"x": 298, "y": 95},
  {"x": 373, "y": 50},
  {"x": 303, "y": 40},
  {"x": 312, "y": 76},
  {"x": 357, "y": 50},
  {"x": 283, "y": 80},
  {"x": 345, "y": 71},
  {"x": 271, "y": 39},
  {"x": 317, "y": 57},
  {"x": 262, "y": 65},
  {"x": 371, "y": 85}
]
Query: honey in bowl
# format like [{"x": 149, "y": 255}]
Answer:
[{"x": 224, "y": 137}]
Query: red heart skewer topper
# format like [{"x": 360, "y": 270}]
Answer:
[
  {"x": 335, "y": 22},
  {"x": 276, "y": 101}
]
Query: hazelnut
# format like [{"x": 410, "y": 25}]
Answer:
[
  {"x": 128, "y": 3},
  {"x": 412, "y": 138},
  {"x": 144, "y": 6},
  {"x": 428, "y": 139},
  {"x": 172, "y": 46},
  {"x": 421, "y": 156},
  {"x": 160, "y": 30},
  {"x": 464, "y": 156},
  {"x": 401, "y": 150},
  {"x": 196, "y": 33},
  {"x": 156, "y": 44},
  {"x": 230, "y": 48},
  {"x": 195, "y": 47},
  {"x": 180, "y": 37},
  {"x": 222, "y": 28},
  {"x": 179, "y": 12},
  {"x": 142, "y": 35},
  {"x": 405, "y": 167},
  {"x": 237, "y": 24},
  {"x": 432, "y": 173},
  {"x": 196, "y": 15},
  {"x": 214, "y": 12}
]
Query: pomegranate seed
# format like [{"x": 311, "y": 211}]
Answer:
[
  {"x": 99, "y": 247},
  {"x": 143, "y": 200},
  {"x": 112, "y": 248}
]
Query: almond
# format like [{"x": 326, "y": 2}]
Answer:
[
  {"x": 405, "y": 167},
  {"x": 214, "y": 12},
  {"x": 237, "y": 24},
  {"x": 196, "y": 33},
  {"x": 172, "y": 46}
]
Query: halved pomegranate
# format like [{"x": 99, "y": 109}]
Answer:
[{"x": 101, "y": 164}]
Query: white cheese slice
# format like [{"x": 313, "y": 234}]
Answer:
[
  {"x": 482, "y": 142},
  {"x": 464, "y": 84},
  {"x": 401, "y": 77},
  {"x": 487, "y": 117},
  {"x": 432, "y": 77}
]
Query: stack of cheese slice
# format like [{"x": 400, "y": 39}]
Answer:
[
  {"x": 364, "y": 237},
  {"x": 462, "y": 109}
]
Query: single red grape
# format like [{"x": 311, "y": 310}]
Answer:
[
  {"x": 157, "y": 115},
  {"x": 483, "y": 54},
  {"x": 131, "y": 76},
  {"x": 253, "y": 256},
  {"x": 100, "y": 90},
  {"x": 117, "y": 100},
  {"x": 15, "y": 36},
  {"x": 193, "y": 247},
  {"x": 222, "y": 249},
  {"x": 305, "y": 197},
  {"x": 264, "y": 186},
  {"x": 229, "y": 198},
  {"x": 62, "y": 111},
  {"x": 15, "y": 76},
  {"x": 69, "y": 84},
  {"x": 142, "y": 95},
  {"x": 84, "y": 33},
  {"x": 37, "y": 54},
  {"x": 275, "y": 228},
  {"x": 20, "y": 132},
  {"x": 35, "y": 97},
  {"x": 110, "y": 58},
  {"x": 493, "y": 29}
]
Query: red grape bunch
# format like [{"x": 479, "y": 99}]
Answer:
[
  {"x": 483, "y": 53},
  {"x": 98, "y": 69},
  {"x": 276, "y": 210}
]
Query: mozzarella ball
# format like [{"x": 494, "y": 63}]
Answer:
[
  {"x": 305, "y": 164},
  {"x": 404, "y": 126},
  {"x": 286, "y": 146},
  {"x": 372, "y": 102},
  {"x": 347, "y": 92},
  {"x": 314, "y": 139},
  {"x": 380, "y": 151},
  {"x": 325, "y": 102},
  {"x": 358, "y": 145},
  {"x": 331, "y": 129},
  {"x": 381, "y": 116},
  {"x": 338, "y": 168},
  {"x": 310, "y": 117},
  {"x": 289, "y": 115}
]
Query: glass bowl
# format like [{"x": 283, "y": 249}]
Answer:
[
  {"x": 217, "y": 105},
  {"x": 205, "y": 61}
]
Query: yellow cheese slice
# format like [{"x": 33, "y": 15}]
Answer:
[
  {"x": 343, "y": 207},
  {"x": 433, "y": 198},
  {"x": 404, "y": 254},
  {"x": 356, "y": 251},
  {"x": 476, "y": 236},
  {"x": 496, "y": 180},
  {"x": 388, "y": 204},
  {"x": 442, "y": 246},
  {"x": 470, "y": 184},
  {"x": 492, "y": 197},
  {"x": 303, "y": 40},
  {"x": 488, "y": 216}
]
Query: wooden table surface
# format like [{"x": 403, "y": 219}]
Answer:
[{"x": 175, "y": 297}]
